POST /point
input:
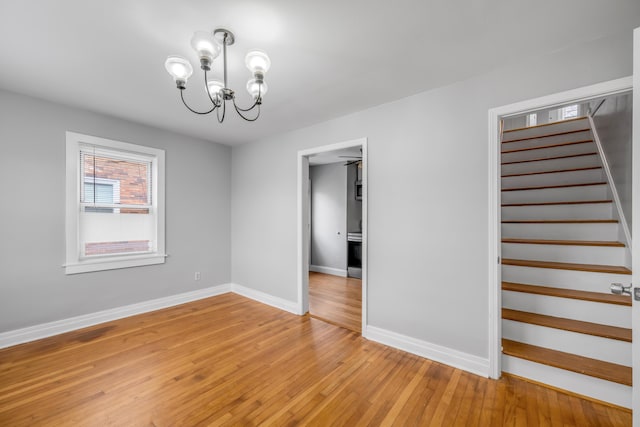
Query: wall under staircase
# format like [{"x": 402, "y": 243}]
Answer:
[{"x": 562, "y": 247}]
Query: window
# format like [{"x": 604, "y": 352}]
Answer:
[
  {"x": 115, "y": 204},
  {"x": 569, "y": 112}
]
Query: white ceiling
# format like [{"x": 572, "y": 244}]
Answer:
[{"x": 329, "y": 58}]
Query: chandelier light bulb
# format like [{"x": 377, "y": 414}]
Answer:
[
  {"x": 215, "y": 89},
  {"x": 179, "y": 68},
  {"x": 257, "y": 61},
  {"x": 206, "y": 47},
  {"x": 255, "y": 88}
]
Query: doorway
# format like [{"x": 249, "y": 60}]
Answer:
[
  {"x": 535, "y": 167},
  {"x": 332, "y": 271}
]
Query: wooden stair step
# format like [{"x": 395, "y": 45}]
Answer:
[
  {"x": 570, "y": 362},
  {"x": 548, "y": 135},
  {"x": 553, "y": 171},
  {"x": 595, "y": 153},
  {"x": 595, "y": 268},
  {"x": 568, "y": 293},
  {"x": 542, "y": 147},
  {"x": 559, "y": 221},
  {"x": 544, "y": 187},
  {"x": 547, "y": 124},
  {"x": 564, "y": 242},
  {"x": 576, "y": 202},
  {"x": 587, "y": 328}
]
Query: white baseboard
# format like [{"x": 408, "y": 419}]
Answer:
[
  {"x": 458, "y": 359},
  {"x": 328, "y": 270},
  {"x": 44, "y": 330},
  {"x": 277, "y": 302}
]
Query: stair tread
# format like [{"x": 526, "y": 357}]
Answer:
[
  {"x": 544, "y": 187},
  {"x": 542, "y": 147},
  {"x": 560, "y": 221},
  {"x": 596, "y": 268},
  {"x": 588, "y": 328},
  {"x": 564, "y": 242},
  {"x": 568, "y": 293},
  {"x": 574, "y": 202},
  {"x": 553, "y": 171},
  {"x": 550, "y": 158},
  {"x": 547, "y": 125},
  {"x": 571, "y": 362}
]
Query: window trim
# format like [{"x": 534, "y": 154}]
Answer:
[{"x": 74, "y": 262}]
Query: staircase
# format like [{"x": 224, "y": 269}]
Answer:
[{"x": 562, "y": 246}]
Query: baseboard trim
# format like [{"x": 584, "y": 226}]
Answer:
[
  {"x": 277, "y": 302},
  {"x": 457, "y": 359},
  {"x": 44, "y": 330},
  {"x": 328, "y": 270}
]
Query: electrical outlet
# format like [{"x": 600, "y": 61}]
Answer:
[{"x": 197, "y": 276}]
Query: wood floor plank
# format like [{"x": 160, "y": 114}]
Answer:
[
  {"x": 228, "y": 360},
  {"x": 337, "y": 300}
]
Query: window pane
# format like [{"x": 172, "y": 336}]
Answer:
[
  {"x": 129, "y": 180},
  {"x": 111, "y": 248},
  {"x": 107, "y": 234}
]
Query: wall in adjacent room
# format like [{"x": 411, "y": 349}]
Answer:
[
  {"x": 33, "y": 286},
  {"x": 428, "y": 185},
  {"x": 329, "y": 216},
  {"x": 613, "y": 124}
]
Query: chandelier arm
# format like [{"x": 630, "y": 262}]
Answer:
[
  {"x": 258, "y": 101},
  {"x": 224, "y": 111},
  {"x": 239, "y": 111},
  {"x": 191, "y": 109}
]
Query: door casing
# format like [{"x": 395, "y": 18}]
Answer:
[
  {"x": 303, "y": 218},
  {"x": 496, "y": 115}
]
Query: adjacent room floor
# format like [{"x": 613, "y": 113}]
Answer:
[
  {"x": 228, "y": 360},
  {"x": 336, "y": 300}
]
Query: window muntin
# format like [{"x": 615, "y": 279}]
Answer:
[{"x": 115, "y": 209}]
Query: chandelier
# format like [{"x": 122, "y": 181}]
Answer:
[{"x": 208, "y": 46}]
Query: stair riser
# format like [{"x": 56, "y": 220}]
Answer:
[
  {"x": 595, "y": 388},
  {"x": 586, "y": 311},
  {"x": 563, "y": 194},
  {"x": 565, "y": 253},
  {"x": 562, "y": 150},
  {"x": 551, "y": 165},
  {"x": 578, "y": 136},
  {"x": 563, "y": 126},
  {"x": 573, "y": 177},
  {"x": 582, "y": 211},
  {"x": 588, "y": 231},
  {"x": 566, "y": 279},
  {"x": 605, "y": 349}
]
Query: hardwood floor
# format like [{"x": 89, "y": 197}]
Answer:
[
  {"x": 229, "y": 360},
  {"x": 336, "y": 299}
]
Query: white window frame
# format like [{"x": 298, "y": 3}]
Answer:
[{"x": 75, "y": 263}]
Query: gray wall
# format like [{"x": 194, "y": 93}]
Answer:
[
  {"x": 33, "y": 286},
  {"x": 613, "y": 124},
  {"x": 354, "y": 207},
  {"x": 428, "y": 188},
  {"x": 329, "y": 215}
]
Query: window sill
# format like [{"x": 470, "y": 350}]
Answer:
[{"x": 87, "y": 266}]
